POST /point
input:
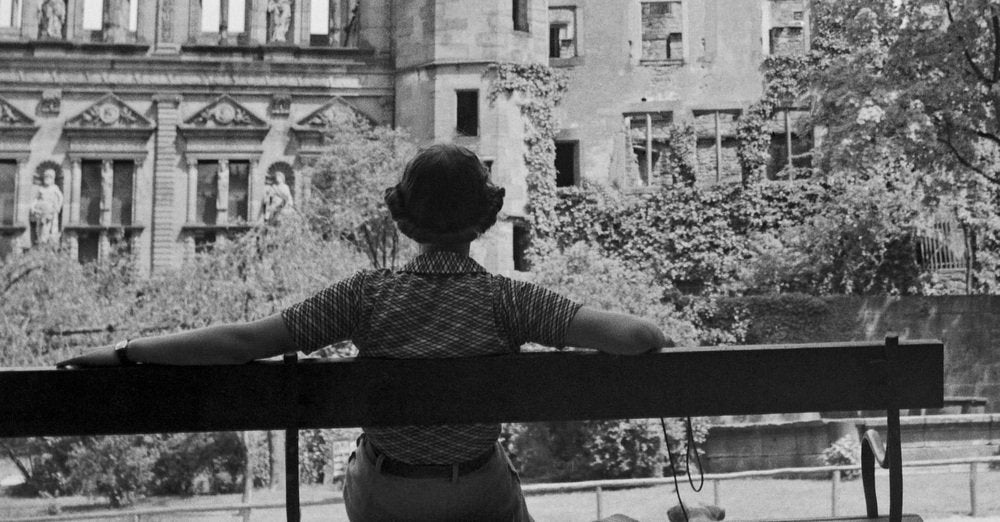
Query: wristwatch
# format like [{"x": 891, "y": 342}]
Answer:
[{"x": 121, "y": 352}]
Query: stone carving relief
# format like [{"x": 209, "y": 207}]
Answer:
[
  {"x": 45, "y": 208},
  {"x": 108, "y": 112},
  {"x": 11, "y": 117},
  {"x": 331, "y": 115},
  {"x": 51, "y": 102},
  {"x": 279, "y": 19},
  {"x": 281, "y": 105},
  {"x": 51, "y": 19},
  {"x": 225, "y": 112}
]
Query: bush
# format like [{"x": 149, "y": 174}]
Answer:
[
  {"x": 116, "y": 467},
  {"x": 846, "y": 451},
  {"x": 191, "y": 463}
]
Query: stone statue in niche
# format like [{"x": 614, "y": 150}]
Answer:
[
  {"x": 277, "y": 199},
  {"x": 279, "y": 18},
  {"x": 51, "y": 19},
  {"x": 44, "y": 212}
]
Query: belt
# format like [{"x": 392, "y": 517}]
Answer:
[{"x": 390, "y": 466}]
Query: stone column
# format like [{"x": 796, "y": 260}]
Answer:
[
  {"x": 107, "y": 184},
  {"x": 165, "y": 226},
  {"x": 192, "y": 191},
  {"x": 222, "y": 199},
  {"x": 76, "y": 175}
]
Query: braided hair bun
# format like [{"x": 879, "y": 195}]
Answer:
[{"x": 445, "y": 196}]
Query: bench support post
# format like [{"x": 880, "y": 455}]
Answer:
[{"x": 292, "y": 511}]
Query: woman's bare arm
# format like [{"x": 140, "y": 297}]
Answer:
[
  {"x": 223, "y": 344},
  {"x": 614, "y": 333}
]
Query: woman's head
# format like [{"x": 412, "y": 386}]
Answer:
[{"x": 444, "y": 197}]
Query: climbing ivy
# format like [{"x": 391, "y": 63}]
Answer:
[{"x": 540, "y": 89}]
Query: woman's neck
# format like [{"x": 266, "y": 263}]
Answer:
[{"x": 458, "y": 248}]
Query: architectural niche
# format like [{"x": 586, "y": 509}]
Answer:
[
  {"x": 107, "y": 145},
  {"x": 222, "y": 144}
]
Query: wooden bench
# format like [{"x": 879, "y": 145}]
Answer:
[{"x": 737, "y": 380}]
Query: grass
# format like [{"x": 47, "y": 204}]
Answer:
[{"x": 935, "y": 495}]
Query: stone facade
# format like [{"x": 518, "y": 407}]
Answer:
[{"x": 163, "y": 118}]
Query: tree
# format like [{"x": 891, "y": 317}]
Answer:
[{"x": 360, "y": 161}]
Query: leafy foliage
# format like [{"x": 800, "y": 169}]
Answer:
[{"x": 845, "y": 451}]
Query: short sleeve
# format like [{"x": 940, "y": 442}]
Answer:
[
  {"x": 329, "y": 316},
  {"x": 540, "y": 315}
]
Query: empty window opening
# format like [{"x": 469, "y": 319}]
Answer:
[
  {"x": 522, "y": 240},
  {"x": 90, "y": 192},
  {"x": 787, "y": 40},
  {"x": 207, "y": 192},
  {"x": 562, "y": 32},
  {"x": 88, "y": 247},
  {"x": 10, "y": 13},
  {"x": 649, "y": 143},
  {"x": 8, "y": 191},
  {"x": 223, "y": 16},
  {"x": 121, "y": 192},
  {"x": 662, "y": 31},
  {"x": 467, "y": 111},
  {"x": 519, "y": 10},
  {"x": 791, "y": 143},
  {"x": 239, "y": 190},
  {"x": 566, "y": 163}
]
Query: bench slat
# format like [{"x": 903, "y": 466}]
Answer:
[{"x": 519, "y": 388}]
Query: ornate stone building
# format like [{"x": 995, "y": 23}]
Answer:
[{"x": 161, "y": 122}]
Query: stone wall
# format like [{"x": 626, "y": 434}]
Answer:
[{"x": 968, "y": 325}]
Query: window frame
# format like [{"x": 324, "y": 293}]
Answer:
[
  {"x": 648, "y": 164},
  {"x": 574, "y": 24},
  {"x": 460, "y": 129}
]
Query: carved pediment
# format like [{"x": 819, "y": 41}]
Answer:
[
  {"x": 225, "y": 113},
  {"x": 336, "y": 112},
  {"x": 17, "y": 129},
  {"x": 11, "y": 116},
  {"x": 110, "y": 112}
]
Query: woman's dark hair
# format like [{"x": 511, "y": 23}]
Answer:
[{"x": 444, "y": 197}]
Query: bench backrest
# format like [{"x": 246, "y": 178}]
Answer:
[{"x": 516, "y": 388}]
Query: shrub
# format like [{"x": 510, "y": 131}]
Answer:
[{"x": 846, "y": 451}]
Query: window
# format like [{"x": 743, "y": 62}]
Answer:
[
  {"x": 717, "y": 146},
  {"x": 90, "y": 192},
  {"x": 787, "y": 40},
  {"x": 208, "y": 192},
  {"x": 8, "y": 194},
  {"x": 567, "y": 158},
  {"x": 10, "y": 13},
  {"x": 222, "y": 181},
  {"x": 648, "y": 140},
  {"x": 333, "y": 23},
  {"x": 223, "y": 16},
  {"x": 522, "y": 240},
  {"x": 239, "y": 190},
  {"x": 88, "y": 246},
  {"x": 662, "y": 32},
  {"x": 562, "y": 32},
  {"x": 467, "y": 113},
  {"x": 519, "y": 10},
  {"x": 122, "y": 184},
  {"x": 791, "y": 143},
  {"x": 93, "y": 15}
]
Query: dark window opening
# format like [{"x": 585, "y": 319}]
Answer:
[
  {"x": 8, "y": 186},
  {"x": 204, "y": 242},
  {"x": 567, "y": 158},
  {"x": 121, "y": 192},
  {"x": 645, "y": 176},
  {"x": 562, "y": 32},
  {"x": 90, "y": 193},
  {"x": 520, "y": 14},
  {"x": 239, "y": 190},
  {"x": 88, "y": 247},
  {"x": 522, "y": 240},
  {"x": 675, "y": 46},
  {"x": 467, "y": 119},
  {"x": 207, "y": 192},
  {"x": 554, "y": 46}
]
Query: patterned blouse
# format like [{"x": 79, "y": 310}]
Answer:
[{"x": 441, "y": 304}]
